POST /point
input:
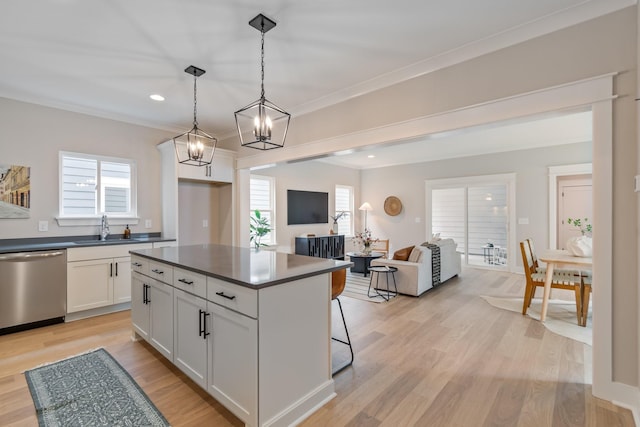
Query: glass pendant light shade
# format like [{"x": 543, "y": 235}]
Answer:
[
  {"x": 262, "y": 124},
  {"x": 195, "y": 147}
]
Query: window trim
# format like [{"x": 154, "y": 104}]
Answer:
[
  {"x": 351, "y": 190},
  {"x": 130, "y": 218},
  {"x": 272, "y": 203}
]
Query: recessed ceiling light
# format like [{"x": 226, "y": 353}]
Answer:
[
  {"x": 156, "y": 97},
  {"x": 371, "y": 156}
]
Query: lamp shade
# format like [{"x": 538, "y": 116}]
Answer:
[{"x": 365, "y": 207}]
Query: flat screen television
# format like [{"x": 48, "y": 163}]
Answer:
[{"x": 307, "y": 207}]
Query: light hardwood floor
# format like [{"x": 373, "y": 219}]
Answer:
[{"x": 445, "y": 359}]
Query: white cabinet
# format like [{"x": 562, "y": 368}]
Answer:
[
  {"x": 191, "y": 330},
  {"x": 161, "y": 317},
  {"x": 121, "y": 276},
  {"x": 233, "y": 362},
  {"x": 89, "y": 284},
  {"x": 152, "y": 312},
  {"x": 262, "y": 353},
  {"x": 99, "y": 276},
  {"x": 140, "y": 304},
  {"x": 221, "y": 170}
]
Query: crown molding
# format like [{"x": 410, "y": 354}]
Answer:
[{"x": 565, "y": 18}]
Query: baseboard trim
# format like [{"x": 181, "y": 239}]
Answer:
[
  {"x": 97, "y": 311},
  {"x": 304, "y": 407},
  {"x": 627, "y": 397}
]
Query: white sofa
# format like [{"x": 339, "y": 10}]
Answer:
[{"x": 415, "y": 278}]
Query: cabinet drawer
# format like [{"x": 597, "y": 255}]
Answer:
[
  {"x": 141, "y": 265},
  {"x": 161, "y": 272},
  {"x": 190, "y": 282},
  {"x": 235, "y": 297}
]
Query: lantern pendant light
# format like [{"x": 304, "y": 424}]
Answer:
[
  {"x": 195, "y": 147},
  {"x": 262, "y": 125}
]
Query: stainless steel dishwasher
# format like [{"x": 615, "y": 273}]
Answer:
[{"x": 33, "y": 289}]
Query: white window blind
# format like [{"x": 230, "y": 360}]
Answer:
[
  {"x": 262, "y": 198},
  {"x": 344, "y": 203},
  {"x": 93, "y": 185}
]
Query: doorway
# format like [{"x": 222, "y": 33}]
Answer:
[
  {"x": 476, "y": 212},
  {"x": 575, "y": 200}
]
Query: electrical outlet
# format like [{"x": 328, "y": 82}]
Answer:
[
  {"x": 417, "y": 220},
  {"x": 205, "y": 223},
  {"x": 523, "y": 221},
  {"x": 43, "y": 225},
  {"x": 147, "y": 223}
]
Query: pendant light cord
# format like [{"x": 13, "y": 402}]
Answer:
[
  {"x": 262, "y": 64},
  {"x": 195, "y": 101}
]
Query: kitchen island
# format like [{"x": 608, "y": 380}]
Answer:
[{"x": 252, "y": 327}]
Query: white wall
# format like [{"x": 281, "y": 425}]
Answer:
[
  {"x": 308, "y": 176},
  {"x": 32, "y": 135},
  {"x": 204, "y": 201},
  {"x": 408, "y": 184}
]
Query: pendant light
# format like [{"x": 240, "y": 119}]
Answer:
[
  {"x": 195, "y": 147},
  {"x": 262, "y": 125}
]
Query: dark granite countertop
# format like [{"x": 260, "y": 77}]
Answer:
[
  {"x": 243, "y": 266},
  {"x": 66, "y": 242}
]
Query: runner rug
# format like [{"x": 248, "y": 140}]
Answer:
[{"x": 89, "y": 390}]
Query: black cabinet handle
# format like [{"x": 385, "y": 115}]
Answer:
[
  {"x": 145, "y": 294},
  {"x": 157, "y": 271},
  {"x": 136, "y": 264},
  {"x": 111, "y": 270},
  {"x": 202, "y": 320},
  {"x": 116, "y": 269},
  {"x": 206, "y": 334},
  {"x": 186, "y": 282},
  {"x": 221, "y": 294}
]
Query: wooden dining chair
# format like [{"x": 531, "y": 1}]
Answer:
[
  {"x": 562, "y": 279},
  {"x": 338, "y": 282},
  {"x": 382, "y": 245},
  {"x": 586, "y": 293}
]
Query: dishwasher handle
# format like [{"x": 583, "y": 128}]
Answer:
[{"x": 27, "y": 256}]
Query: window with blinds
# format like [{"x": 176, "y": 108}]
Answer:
[
  {"x": 262, "y": 198},
  {"x": 344, "y": 203},
  {"x": 93, "y": 185}
]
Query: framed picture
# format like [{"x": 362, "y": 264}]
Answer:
[{"x": 15, "y": 191}]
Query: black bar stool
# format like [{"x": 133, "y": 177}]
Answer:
[{"x": 338, "y": 282}]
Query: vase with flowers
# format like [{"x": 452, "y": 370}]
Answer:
[
  {"x": 365, "y": 240},
  {"x": 580, "y": 245},
  {"x": 338, "y": 215}
]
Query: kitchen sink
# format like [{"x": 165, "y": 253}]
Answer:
[{"x": 103, "y": 242}]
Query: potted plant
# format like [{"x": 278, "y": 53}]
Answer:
[
  {"x": 259, "y": 227},
  {"x": 580, "y": 245}
]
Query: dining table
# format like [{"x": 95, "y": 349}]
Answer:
[{"x": 559, "y": 258}]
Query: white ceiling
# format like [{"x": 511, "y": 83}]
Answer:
[
  {"x": 531, "y": 132},
  {"x": 106, "y": 57}
]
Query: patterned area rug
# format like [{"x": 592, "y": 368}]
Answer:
[
  {"x": 89, "y": 390},
  {"x": 561, "y": 316},
  {"x": 357, "y": 286}
]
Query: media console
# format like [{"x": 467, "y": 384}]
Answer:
[{"x": 331, "y": 246}]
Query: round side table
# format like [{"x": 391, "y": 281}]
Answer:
[{"x": 379, "y": 269}]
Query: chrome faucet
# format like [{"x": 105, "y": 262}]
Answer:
[{"x": 104, "y": 228}]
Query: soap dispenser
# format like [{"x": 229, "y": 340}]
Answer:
[{"x": 127, "y": 232}]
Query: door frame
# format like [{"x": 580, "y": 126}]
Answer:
[
  {"x": 596, "y": 93},
  {"x": 509, "y": 179},
  {"x": 556, "y": 172}
]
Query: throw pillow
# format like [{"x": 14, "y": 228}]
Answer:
[
  {"x": 415, "y": 255},
  {"x": 403, "y": 254}
]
